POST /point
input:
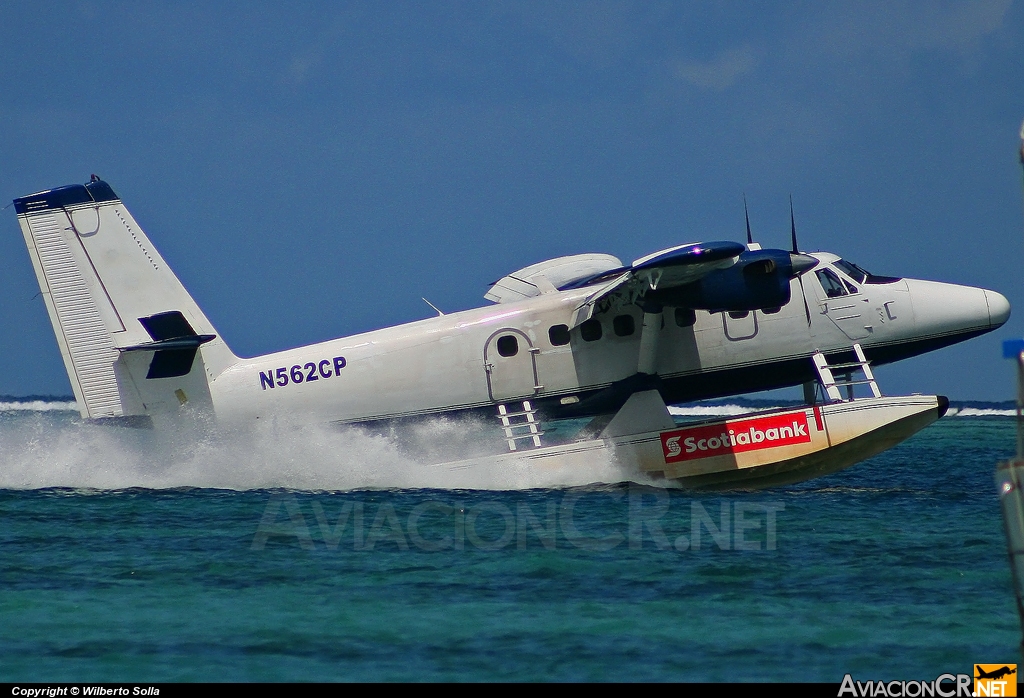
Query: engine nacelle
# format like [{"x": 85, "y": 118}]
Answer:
[{"x": 758, "y": 280}]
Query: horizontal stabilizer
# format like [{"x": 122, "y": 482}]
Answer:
[
  {"x": 175, "y": 344},
  {"x": 171, "y": 363}
]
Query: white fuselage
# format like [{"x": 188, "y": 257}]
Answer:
[{"x": 452, "y": 362}]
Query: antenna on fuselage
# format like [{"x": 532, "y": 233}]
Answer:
[
  {"x": 796, "y": 250},
  {"x": 439, "y": 312}
]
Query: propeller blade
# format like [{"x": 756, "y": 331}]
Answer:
[
  {"x": 801, "y": 262},
  {"x": 792, "y": 225},
  {"x": 750, "y": 238}
]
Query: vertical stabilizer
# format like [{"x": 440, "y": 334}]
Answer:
[{"x": 133, "y": 340}]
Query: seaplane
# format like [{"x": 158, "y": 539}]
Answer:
[{"x": 583, "y": 337}]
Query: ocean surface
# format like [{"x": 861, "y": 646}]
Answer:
[{"x": 314, "y": 554}]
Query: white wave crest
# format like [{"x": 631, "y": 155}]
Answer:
[
  {"x": 734, "y": 410},
  {"x": 38, "y": 406},
  {"x": 980, "y": 412},
  {"x": 714, "y": 410}
]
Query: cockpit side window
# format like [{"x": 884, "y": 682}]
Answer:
[{"x": 830, "y": 283}]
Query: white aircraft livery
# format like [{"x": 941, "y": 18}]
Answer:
[{"x": 574, "y": 336}]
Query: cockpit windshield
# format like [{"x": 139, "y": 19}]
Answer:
[
  {"x": 852, "y": 270},
  {"x": 860, "y": 275}
]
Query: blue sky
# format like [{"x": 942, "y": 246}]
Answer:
[{"x": 310, "y": 171}]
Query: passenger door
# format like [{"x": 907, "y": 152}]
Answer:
[{"x": 510, "y": 362}]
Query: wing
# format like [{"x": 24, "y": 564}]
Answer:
[
  {"x": 712, "y": 276},
  {"x": 672, "y": 268}
]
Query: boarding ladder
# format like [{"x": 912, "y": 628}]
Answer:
[
  {"x": 519, "y": 426},
  {"x": 827, "y": 375}
]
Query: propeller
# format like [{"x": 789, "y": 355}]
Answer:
[
  {"x": 792, "y": 225},
  {"x": 796, "y": 251},
  {"x": 750, "y": 238}
]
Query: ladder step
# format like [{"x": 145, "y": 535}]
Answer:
[
  {"x": 516, "y": 414},
  {"x": 851, "y": 382},
  {"x": 827, "y": 374},
  {"x": 521, "y": 430},
  {"x": 527, "y": 425},
  {"x": 517, "y": 437}
]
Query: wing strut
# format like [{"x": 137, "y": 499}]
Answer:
[{"x": 650, "y": 331}]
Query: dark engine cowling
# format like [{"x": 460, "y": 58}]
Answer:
[{"x": 758, "y": 280}]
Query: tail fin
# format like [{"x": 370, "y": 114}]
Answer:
[{"x": 128, "y": 331}]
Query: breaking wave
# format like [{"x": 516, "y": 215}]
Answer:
[
  {"x": 713, "y": 410},
  {"x": 38, "y": 406},
  {"x": 980, "y": 412}
]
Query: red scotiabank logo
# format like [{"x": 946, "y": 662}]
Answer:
[{"x": 735, "y": 437}]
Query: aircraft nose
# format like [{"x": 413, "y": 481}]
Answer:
[
  {"x": 948, "y": 309},
  {"x": 998, "y": 308}
]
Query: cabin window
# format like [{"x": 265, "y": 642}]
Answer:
[
  {"x": 850, "y": 287},
  {"x": 685, "y": 317},
  {"x": 624, "y": 325},
  {"x": 591, "y": 330},
  {"x": 508, "y": 345},
  {"x": 738, "y": 314},
  {"x": 831, "y": 284},
  {"x": 559, "y": 335}
]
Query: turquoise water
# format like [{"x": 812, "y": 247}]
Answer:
[{"x": 113, "y": 568}]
